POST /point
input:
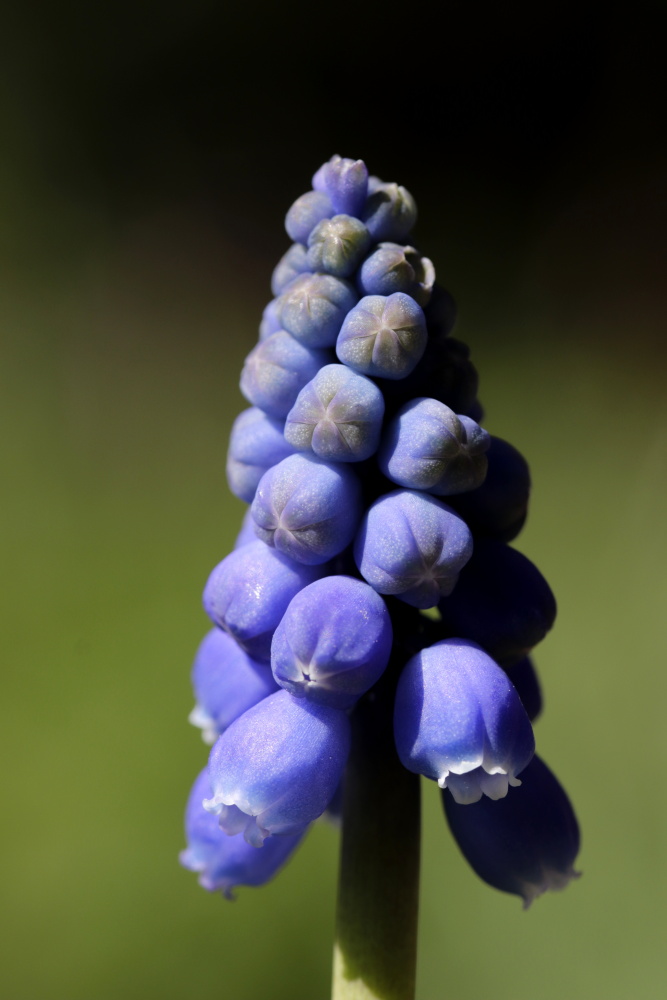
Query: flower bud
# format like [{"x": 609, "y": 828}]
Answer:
[
  {"x": 277, "y": 767},
  {"x": 390, "y": 213},
  {"x": 248, "y": 592},
  {"x": 292, "y": 263},
  {"x": 459, "y": 721},
  {"x": 309, "y": 510},
  {"x": 525, "y": 844},
  {"x": 501, "y": 601},
  {"x": 338, "y": 245},
  {"x": 412, "y": 546},
  {"x": 346, "y": 183},
  {"x": 223, "y": 862},
  {"x": 256, "y": 444},
  {"x": 226, "y": 683},
  {"x": 383, "y": 336},
  {"x": 395, "y": 268},
  {"x": 276, "y": 370},
  {"x": 305, "y": 214},
  {"x": 338, "y": 415},
  {"x": 314, "y": 306},
  {"x": 333, "y": 642},
  {"x": 427, "y": 447}
]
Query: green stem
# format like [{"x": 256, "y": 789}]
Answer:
[{"x": 375, "y": 951}]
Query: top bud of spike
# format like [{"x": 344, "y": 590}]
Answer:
[{"x": 345, "y": 181}]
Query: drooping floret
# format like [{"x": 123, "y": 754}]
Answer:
[{"x": 459, "y": 721}]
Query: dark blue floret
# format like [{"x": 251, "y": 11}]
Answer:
[
  {"x": 498, "y": 508},
  {"x": 524, "y": 678},
  {"x": 525, "y": 844},
  {"x": 502, "y": 601}
]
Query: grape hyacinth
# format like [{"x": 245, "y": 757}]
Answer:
[{"x": 372, "y": 608}]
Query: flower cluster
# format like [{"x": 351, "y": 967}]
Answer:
[{"x": 379, "y": 519}]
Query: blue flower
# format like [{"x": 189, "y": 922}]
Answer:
[
  {"x": 459, "y": 721},
  {"x": 224, "y": 862},
  {"x": 277, "y": 767},
  {"x": 525, "y": 844}
]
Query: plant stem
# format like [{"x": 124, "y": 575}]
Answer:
[{"x": 375, "y": 950}]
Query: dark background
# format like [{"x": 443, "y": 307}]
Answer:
[{"x": 149, "y": 152}]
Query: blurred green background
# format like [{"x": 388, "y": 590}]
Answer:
[{"x": 149, "y": 153}]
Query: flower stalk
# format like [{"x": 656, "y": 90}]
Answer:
[{"x": 375, "y": 950}]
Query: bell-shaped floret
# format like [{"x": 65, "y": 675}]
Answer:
[
  {"x": 412, "y": 546},
  {"x": 314, "y": 306},
  {"x": 390, "y": 213},
  {"x": 305, "y": 214},
  {"x": 395, "y": 268},
  {"x": 524, "y": 678},
  {"x": 527, "y": 843},
  {"x": 292, "y": 263},
  {"x": 346, "y": 183},
  {"x": 459, "y": 721},
  {"x": 256, "y": 443},
  {"x": 338, "y": 416},
  {"x": 333, "y": 643},
  {"x": 277, "y": 767},
  {"x": 427, "y": 447},
  {"x": 226, "y": 682},
  {"x": 223, "y": 862},
  {"x": 276, "y": 371},
  {"x": 338, "y": 245},
  {"x": 383, "y": 336},
  {"x": 248, "y": 592},
  {"x": 497, "y": 509},
  {"x": 502, "y": 601},
  {"x": 309, "y": 510}
]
